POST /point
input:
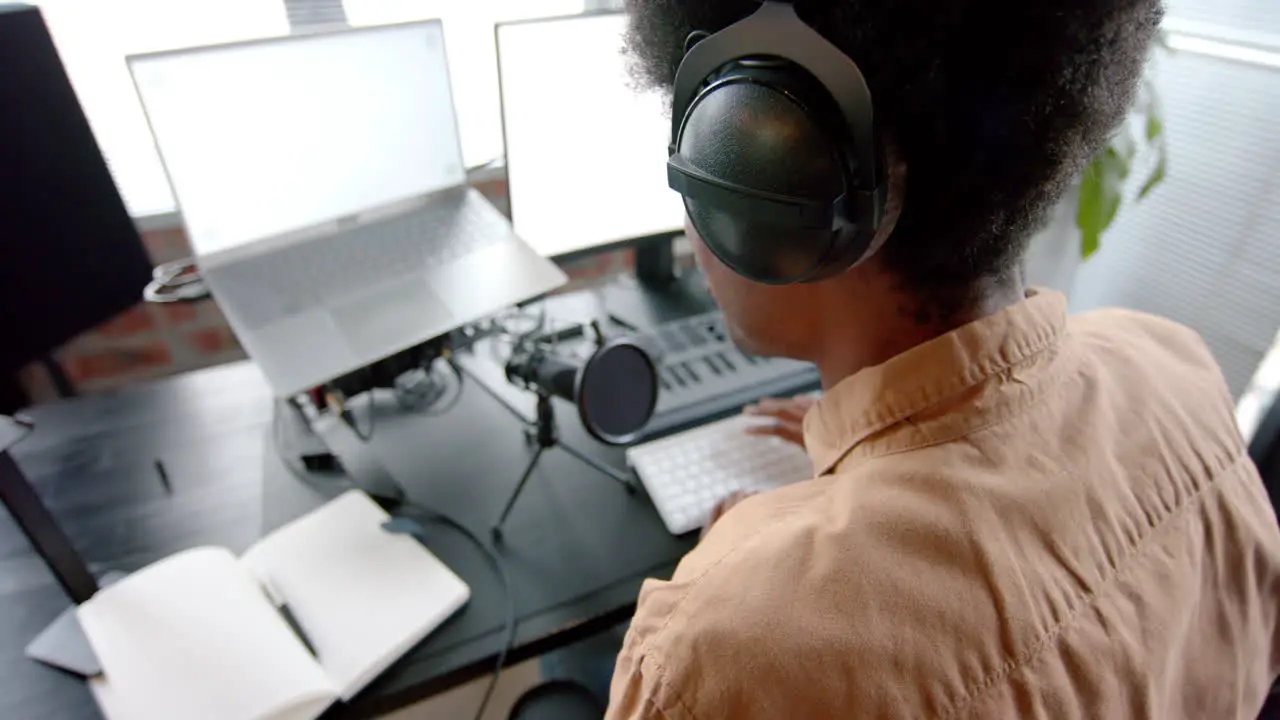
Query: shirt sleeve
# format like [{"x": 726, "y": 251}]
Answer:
[
  {"x": 628, "y": 697},
  {"x": 640, "y": 689}
]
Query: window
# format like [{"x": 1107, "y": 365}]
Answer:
[
  {"x": 93, "y": 39},
  {"x": 468, "y": 34},
  {"x": 95, "y": 36},
  {"x": 1202, "y": 248},
  {"x": 1252, "y": 16}
]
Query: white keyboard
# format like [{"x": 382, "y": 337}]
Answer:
[{"x": 688, "y": 474}]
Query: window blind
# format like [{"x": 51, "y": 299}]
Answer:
[
  {"x": 1204, "y": 248},
  {"x": 1253, "y": 16}
]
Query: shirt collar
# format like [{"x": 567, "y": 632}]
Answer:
[{"x": 879, "y": 397}]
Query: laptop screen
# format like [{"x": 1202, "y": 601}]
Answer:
[{"x": 266, "y": 137}]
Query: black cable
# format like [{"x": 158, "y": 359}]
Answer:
[
  {"x": 349, "y": 417},
  {"x": 492, "y": 556},
  {"x": 439, "y": 388},
  {"x": 517, "y": 339},
  {"x": 539, "y": 326},
  {"x": 311, "y": 479},
  {"x": 457, "y": 395}
]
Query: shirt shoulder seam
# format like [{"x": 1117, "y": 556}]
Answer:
[
  {"x": 1136, "y": 550},
  {"x": 692, "y": 584},
  {"x": 660, "y": 677},
  {"x": 1009, "y": 414},
  {"x": 646, "y": 653},
  {"x": 881, "y": 417}
]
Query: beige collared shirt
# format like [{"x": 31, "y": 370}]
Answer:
[{"x": 1027, "y": 517}]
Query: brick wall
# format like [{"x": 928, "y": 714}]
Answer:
[
  {"x": 145, "y": 342},
  {"x": 154, "y": 341}
]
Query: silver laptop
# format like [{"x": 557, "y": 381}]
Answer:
[{"x": 321, "y": 181}]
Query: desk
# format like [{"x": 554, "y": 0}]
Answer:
[{"x": 577, "y": 548}]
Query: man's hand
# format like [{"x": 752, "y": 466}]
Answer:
[
  {"x": 788, "y": 421},
  {"x": 787, "y": 415},
  {"x": 725, "y": 506}
]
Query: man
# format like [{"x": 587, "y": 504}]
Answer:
[{"x": 1014, "y": 513}]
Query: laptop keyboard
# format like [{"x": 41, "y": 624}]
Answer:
[{"x": 310, "y": 274}]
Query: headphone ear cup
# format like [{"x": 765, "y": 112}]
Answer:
[
  {"x": 774, "y": 148},
  {"x": 756, "y": 250},
  {"x": 744, "y": 130}
]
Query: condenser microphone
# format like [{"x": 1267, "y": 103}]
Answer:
[{"x": 615, "y": 389}]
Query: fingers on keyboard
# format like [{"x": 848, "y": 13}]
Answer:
[{"x": 792, "y": 432}]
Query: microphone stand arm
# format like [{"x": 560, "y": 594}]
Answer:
[{"x": 547, "y": 438}]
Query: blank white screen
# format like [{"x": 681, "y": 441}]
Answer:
[
  {"x": 586, "y": 152},
  {"x": 263, "y": 138}
]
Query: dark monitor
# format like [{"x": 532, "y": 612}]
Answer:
[
  {"x": 70, "y": 257},
  {"x": 586, "y": 151},
  {"x": 1264, "y": 450}
]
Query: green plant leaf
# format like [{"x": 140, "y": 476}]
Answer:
[
  {"x": 1157, "y": 175},
  {"x": 1101, "y": 190},
  {"x": 1102, "y": 184},
  {"x": 1155, "y": 126},
  {"x": 1090, "y": 241},
  {"x": 1155, "y": 138}
]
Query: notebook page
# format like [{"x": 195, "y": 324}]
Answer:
[
  {"x": 193, "y": 636},
  {"x": 363, "y": 596}
]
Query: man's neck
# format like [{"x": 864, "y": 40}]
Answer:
[{"x": 877, "y": 337}]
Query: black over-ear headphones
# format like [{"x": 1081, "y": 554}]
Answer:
[{"x": 775, "y": 151}]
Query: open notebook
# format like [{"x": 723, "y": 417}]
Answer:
[{"x": 200, "y": 634}]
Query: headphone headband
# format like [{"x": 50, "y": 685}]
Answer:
[{"x": 775, "y": 30}]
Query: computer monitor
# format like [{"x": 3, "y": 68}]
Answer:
[
  {"x": 586, "y": 160},
  {"x": 70, "y": 257},
  {"x": 1264, "y": 450}
]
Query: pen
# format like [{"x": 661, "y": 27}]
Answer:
[
  {"x": 292, "y": 622},
  {"x": 164, "y": 477}
]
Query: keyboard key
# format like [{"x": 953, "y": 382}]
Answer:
[{"x": 672, "y": 340}]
